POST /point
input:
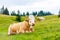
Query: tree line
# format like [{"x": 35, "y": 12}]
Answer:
[
  {"x": 18, "y": 15},
  {"x": 13, "y": 13},
  {"x": 4, "y": 11}
]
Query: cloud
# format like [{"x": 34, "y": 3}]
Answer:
[{"x": 32, "y": 5}]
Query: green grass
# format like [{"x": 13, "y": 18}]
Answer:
[{"x": 49, "y": 29}]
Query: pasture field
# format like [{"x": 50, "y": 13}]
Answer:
[{"x": 49, "y": 29}]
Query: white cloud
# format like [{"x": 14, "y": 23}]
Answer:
[{"x": 48, "y": 5}]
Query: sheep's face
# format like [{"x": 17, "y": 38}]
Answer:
[{"x": 31, "y": 20}]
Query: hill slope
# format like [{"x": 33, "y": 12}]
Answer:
[{"x": 48, "y": 29}]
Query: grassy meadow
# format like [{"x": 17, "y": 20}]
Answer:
[{"x": 48, "y": 29}]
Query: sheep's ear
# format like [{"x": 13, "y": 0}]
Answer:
[{"x": 27, "y": 19}]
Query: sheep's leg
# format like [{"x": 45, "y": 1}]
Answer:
[
  {"x": 31, "y": 29},
  {"x": 17, "y": 32},
  {"x": 27, "y": 31},
  {"x": 9, "y": 31},
  {"x": 22, "y": 31}
]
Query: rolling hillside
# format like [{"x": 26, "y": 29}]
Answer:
[{"x": 49, "y": 29}]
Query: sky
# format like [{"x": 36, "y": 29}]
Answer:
[{"x": 31, "y": 5}]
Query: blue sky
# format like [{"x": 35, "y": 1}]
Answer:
[{"x": 31, "y": 5}]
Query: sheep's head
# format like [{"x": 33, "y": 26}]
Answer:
[{"x": 31, "y": 20}]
